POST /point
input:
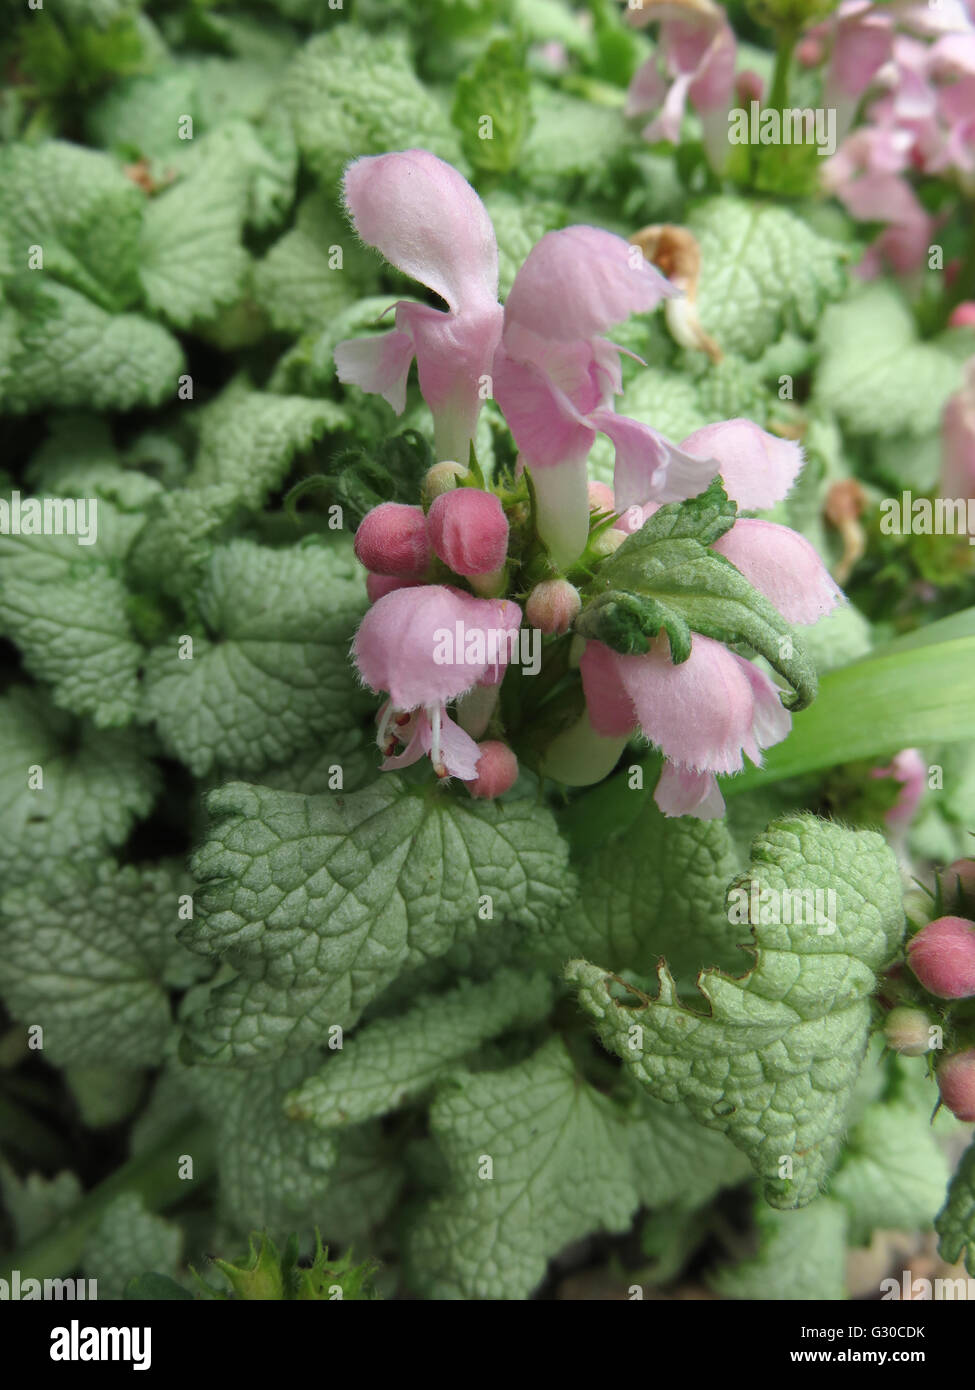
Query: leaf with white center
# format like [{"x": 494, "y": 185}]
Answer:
[
  {"x": 270, "y": 674},
  {"x": 273, "y": 1172},
  {"x": 130, "y": 1240},
  {"x": 72, "y": 353},
  {"x": 537, "y": 1158},
  {"x": 394, "y": 1060},
  {"x": 875, "y": 373},
  {"x": 66, "y": 791},
  {"x": 763, "y": 270},
  {"x": 772, "y": 1061},
  {"x": 249, "y": 438},
  {"x": 802, "y": 1255},
  {"x": 89, "y": 954},
  {"x": 321, "y": 901},
  {"x": 656, "y": 890},
  {"x": 892, "y": 1172}
]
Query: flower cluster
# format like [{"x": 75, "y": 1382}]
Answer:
[
  {"x": 451, "y": 578},
  {"x": 941, "y": 958},
  {"x": 915, "y": 64}
]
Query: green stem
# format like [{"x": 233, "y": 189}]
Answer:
[
  {"x": 778, "y": 96},
  {"x": 153, "y": 1175}
]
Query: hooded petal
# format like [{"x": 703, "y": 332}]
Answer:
[
  {"x": 577, "y": 282},
  {"x": 380, "y": 365},
  {"x": 648, "y": 466},
  {"x": 709, "y": 710},
  {"x": 783, "y": 566},
  {"x": 682, "y": 791},
  {"x": 611, "y": 710},
  {"x": 757, "y": 468},
  {"x": 427, "y": 221},
  {"x": 407, "y": 643},
  {"x": 547, "y": 427}
]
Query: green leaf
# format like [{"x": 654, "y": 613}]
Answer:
[
  {"x": 394, "y": 1060},
  {"x": 127, "y": 1240},
  {"x": 955, "y": 1222},
  {"x": 351, "y": 93},
  {"x": 89, "y": 953},
  {"x": 178, "y": 538},
  {"x": 320, "y": 902},
  {"x": 139, "y": 116},
  {"x": 273, "y": 1171},
  {"x": 763, "y": 270},
  {"x": 802, "y": 1255},
  {"x": 773, "y": 1062},
  {"x": 497, "y": 87},
  {"x": 35, "y": 1203},
  {"x": 316, "y": 269},
  {"x": 192, "y": 260},
  {"x": 249, "y": 438},
  {"x": 875, "y": 374},
  {"x": 272, "y": 674},
  {"x": 95, "y": 786},
  {"x": 105, "y": 1095},
  {"x": 75, "y": 635},
  {"x": 559, "y": 1170},
  {"x": 658, "y": 889},
  {"x": 364, "y": 1185},
  {"x": 571, "y": 137},
  {"x": 892, "y": 1173},
  {"x": 81, "y": 210},
  {"x": 897, "y": 697},
  {"x": 664, "y": 576},
  {"x": 72, "y": 353},
  {"x": 675, "y": 1161}
]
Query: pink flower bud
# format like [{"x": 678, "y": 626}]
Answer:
[
  {"x": 601, "y": 498},
  {"x": 907, "y": 1031},
  {"x": 392, "y": 539},
  {"x": 956, "y": 1082},
  {"x": 442, "y": 477},
  {"x": 748, "y": 86},
  {"x": 378, "y": 585},
  {"x": 497, "y": 770},
  {"x": 942, "y": 956},
  {"x": 963, "y": 315},
  {"x": 553, "y": 606},
  {"x": 469, "y": 531}
]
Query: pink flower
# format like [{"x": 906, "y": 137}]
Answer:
[
  {"x": 705, "y": 714},
  {"x": 942, "y": 956},
  {"x": 695, "y": 61},
  {"x": 958, "y": 440},
  {"x": 783, "y": 566},
  {"x": 426, "y": 647},
  {"x": 429, "y": 223},
  {"x": 862, "y": 39},
  {"x": 555, "y": 375},
  {"x": 392, "y": 540},
  {"x": 909, "y": 768},
  {"x": 497, "y": 770},
  {"x": 469, "y": 531},
  {"x": 956, "y": 1082},
  {"x": 553, "y": 606}
]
